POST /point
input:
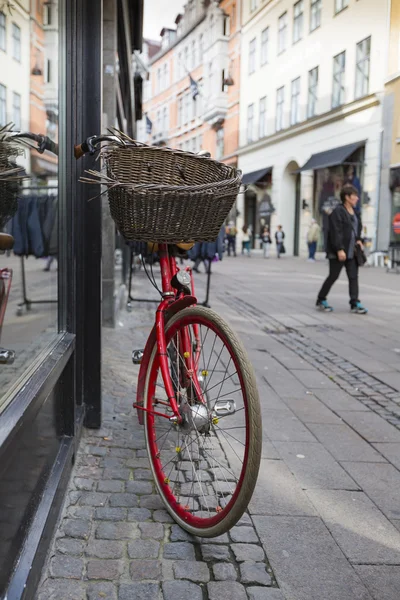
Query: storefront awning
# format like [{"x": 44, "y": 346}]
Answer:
[
  {"x": 331, "y": 158},
  {"x": 256, "y": 176}
]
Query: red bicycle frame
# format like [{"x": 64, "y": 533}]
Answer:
[{"x": 172, "y": 302}]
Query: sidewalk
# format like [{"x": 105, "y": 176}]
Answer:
[{"x": 324, "y": 522}]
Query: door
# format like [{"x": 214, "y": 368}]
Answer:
[{"x": 296, "y": 242}]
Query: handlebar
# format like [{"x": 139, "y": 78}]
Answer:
[
  {"x": 89, "y": 145},
  {"x": 43, "y": 141}
]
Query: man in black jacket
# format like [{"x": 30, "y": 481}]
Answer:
[{"x": 344, "y": 235}]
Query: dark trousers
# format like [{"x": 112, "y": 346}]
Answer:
[
  {"x": 312, "y": 248},
  {"x": 231, "y": 245},
  {"x": 335, "y": 267}
]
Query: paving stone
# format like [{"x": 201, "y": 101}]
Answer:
[
  {"x": 144, "y": 549},
  {"x": 116, "y": 531},
  {"x": 179, "y": 551},
  {"x": 137, "y": 462},
  {"x": 104, "y": 569},
  {"x": 74, "y": 497},
  {"x": 102, "y": 591},
  {"x": 84, "y": 484},
  {"x": 93, "y": 499},
  {"x": 121, "y": 453},
  {"x": 182, "y": 590},
  {"x": 139, "y": 514},
  {"x": 162, "y": 516},
  {"x": 80, "y": 512},
  {"x": 139, "y": 487},
  {"x": 145, "y": 569},
  {"x": 226, "y": 590},
  {"x": 391, "y": 452},
  {"x": 372, "y": 427},
  {"x": 152, "y": 530},
  {"x": 116, "y": 473},
  {"x": 96, "y": 450},
  {"x": 382, "y": 581},
  {"x": 193, "y": 570},
  {"x": 253, "y": 572},
  {"x": 251, "y": 552},
  {"x": 139, "y": 591},
  {"x": 214, "y": 552},
  {"x": 70, "y": 546},
  {"x": 244, "y": 535},
  {"x": 112, "y": 485},
  {"x": 63, "y": 589},
  {"x": 145, "y": 474},
  {"x": 76, "y": 528},
  {"x": 66, "y": 566},
  {"x": 110, "y": 514},
  {"x": 105, "y": 549},
  {"x": 153, "y": 502},
  {"x": 345, "y": 444},
  {"x": 245, "y": 519},
  {"x": 180, "y": 535},
  {"x": 224, "y": 572},
  {"x": 113, "y": 462},
  {"x": 128, "y": 500},
  {"x": 262, "y": 593},
  {"x": 220, "y": 539}
]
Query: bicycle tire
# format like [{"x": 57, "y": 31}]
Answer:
[{"x": 198, "y": 521}]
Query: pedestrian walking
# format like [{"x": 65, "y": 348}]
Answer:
[
  {"x": 231, "y": 233},
  {"x": 344, "y": 249},
  {"x": 246, "y": 240},
  {"x": 279, "y": 239},
  {"x": 266, "y": 240},
  {"x": 312, "y": 239}
]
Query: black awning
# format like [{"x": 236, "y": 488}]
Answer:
[
  {"x": 256, "y": 176},
  {"x": 331, "y": 158}
]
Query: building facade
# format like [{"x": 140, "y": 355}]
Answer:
[
  {"x": 192, "y": 98},
  {"x": 312, "y": 77}
]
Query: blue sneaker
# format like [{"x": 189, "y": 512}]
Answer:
[
  {"x": 323, "y": 305},
  {"x": 359, "y": 309}
]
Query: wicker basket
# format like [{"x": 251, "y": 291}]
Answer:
[
  {"x": 10, "y": 176},
  {"x": 164, "y": 195}
]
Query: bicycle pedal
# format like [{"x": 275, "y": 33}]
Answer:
[
  {"x": 224, "y": 407},
  {"x": 7, "y": 357},
  {"x": 137, "y": 356}
]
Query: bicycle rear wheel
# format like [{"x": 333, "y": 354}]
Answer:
[{"x": 206, "y": 468}]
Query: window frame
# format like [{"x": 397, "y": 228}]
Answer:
[
  {"x": 252, "y": 55},
  {"x": 262, "y": 117},
  {"x": 16, "y": 42},
  {"x": 298, "y": 21},
  {"x": 342, "y": 73},
  {"x": 280, "y": 103},
  {"x": 318, "y": 11},
  {"x": 250, "y": 123},
  {"x": 295, "y": 92},
  {"x": 264, "y": 46},
  {"x": 3, "y": 31},
  {"x": 367, "y": 59},
  {"x": 282, "y": 32},
  {"x": 343, "y": 5},
  {"x": 312, "y": 92}
]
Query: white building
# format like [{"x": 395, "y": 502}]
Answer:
[{"x": 312, "y": 77}]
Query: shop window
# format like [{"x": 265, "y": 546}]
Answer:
[
  {"x": 252, "y": 56},
  {"x": 295, "y": 102},
  {"x": 312, "y": 92},
  {"x": 280, "y": 100},
  {"x": 338, "y": 91},
  {"x": 3, "y": 104},
  {"x": 220, "y": 144},
  {"x": 250, "y": 123},
  {"x": 262, "y": 122},
  {"x": 3, "y": 31},
  {"x": 264, "y": 46},
  {"x": 362, "y": 67},
  {"x": 340, "y": 5},
  {"x": 315, "y": 14},
  {"x": 16, "y": 42},
  {"x": 298, "y": 17},
  {"x": 282, "y": 32}
]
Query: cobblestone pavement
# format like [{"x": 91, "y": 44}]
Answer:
[{"x": 324, "y": 521}]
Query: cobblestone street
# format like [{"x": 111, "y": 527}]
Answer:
[{"x": 324, "y": 522}]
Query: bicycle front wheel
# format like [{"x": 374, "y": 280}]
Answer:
[{"x": 205, "y": 468}]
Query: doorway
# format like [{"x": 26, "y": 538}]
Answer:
[
  {"x": 296, "y": 241},
  {"x": 250, "y": 213}
]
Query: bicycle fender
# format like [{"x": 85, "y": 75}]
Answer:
[{"x": 174, "y": 308}]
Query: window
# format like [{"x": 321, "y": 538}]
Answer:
[
  {"x": 159, "y": 80},
  {"x": 186, "y": 58},
  {"x": 250, "y": 123},
  {"x": 193, "y": 58},
  {"x": 253, "y": 5},
  {"x": 165, "y": 119},
  {"x": 3, "y": 31},
  {"x": 3, "y": 104},
  {"x": 166, "y": 82},
  {"x": 16, "y": 39},
  {"x": 262, "y": 123},
  {"x": 180, "y": 111},
  {"x": 16, "y": 111},
  {"x": 282, "y": 32},
  {"x": 252, "y": 56},
  {"x": 298, "y": 21},
  {"x": 340, "y": 5},
  {"x": 226, "y": 26},
  {"x": 200, "y": 142},
  {"x": 48, "y": 71},
  {"x": 280, "y": 99},
  {"x": 201, "y": 44},
  {"x": 264, "y": 45},
  {"x": 362, "y": 67},
  {"x": 220, "y": 144},
  {"x": 315, "y": 16},
  {"x": 194, "y": 144},
  {"x": 179, "y": 66},
  {"x": 186, "y": 108},
  {"x": 312, "y": 92},
  {"x": 295, "y": 103},
  {"x": 47, "y": 14},
  {"x": 339, "y": 65}
]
